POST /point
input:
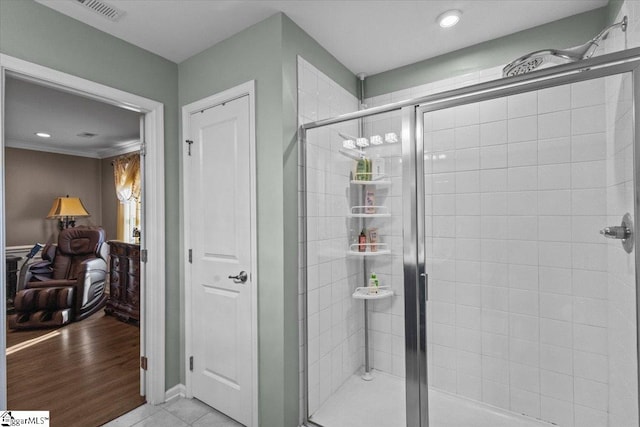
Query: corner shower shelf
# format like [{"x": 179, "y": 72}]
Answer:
[
  {"x": 382, "y": 249},
  {"x": 382, "y": 180},
  {"x": 359, "y": 212},
  {"x": 363, "y": 293}
]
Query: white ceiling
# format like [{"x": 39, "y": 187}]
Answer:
[
  {"x": 366, "y": 36},
  {"x": 32, "y": 108}
]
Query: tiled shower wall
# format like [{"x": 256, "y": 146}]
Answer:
[{"x": 335, "y": 320}]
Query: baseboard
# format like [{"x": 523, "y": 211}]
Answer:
[{"x": 174, "y": 392}]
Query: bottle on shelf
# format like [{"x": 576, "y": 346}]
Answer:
[
  {"x": 362, "y": 241},
  {"x": 373, "y": 284},
  {"x": 370, "y": 201}
]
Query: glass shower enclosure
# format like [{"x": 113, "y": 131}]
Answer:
[{"x": 469, "y": 257}]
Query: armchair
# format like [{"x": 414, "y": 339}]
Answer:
[{"x": 68, "y": 285}]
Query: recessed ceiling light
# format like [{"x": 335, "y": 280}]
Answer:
[
  {"x": 449, "y": 18},
  {"x": 43, "y": 135}
]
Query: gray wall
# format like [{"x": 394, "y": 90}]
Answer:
[
  {"x": 266, "y": 53},
  {"x": 571, "y": 31},
  {"x": 38, "y": 34}
]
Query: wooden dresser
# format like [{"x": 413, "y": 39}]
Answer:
[{"x": 124, "y": 281}]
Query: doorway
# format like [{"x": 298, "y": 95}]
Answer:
[
  {"x": 152, "y": 321},
  {"x": 495, "y": 292}
]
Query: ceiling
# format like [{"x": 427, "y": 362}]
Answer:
[
  {"x": 366, "y": 36},
  {"x": 32, "y": 108}
]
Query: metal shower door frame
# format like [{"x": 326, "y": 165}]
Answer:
[{"x": 415, "y": 274}]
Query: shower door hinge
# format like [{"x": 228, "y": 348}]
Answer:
[
  {"x": 144, "y": 255},
  {"x": 189, "y": 142},
  {"x": 143, "y": 362},
  {"x": 143, "y": 149},
  {"x": 190, "y": 256},
  {"x": 191, "y": 363}
]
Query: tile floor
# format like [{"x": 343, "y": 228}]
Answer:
[{"x": 179, "y": 412}]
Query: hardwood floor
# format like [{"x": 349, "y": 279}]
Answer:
[{"x": 85, "y": 373}]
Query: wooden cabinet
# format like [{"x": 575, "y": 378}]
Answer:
[{"x": 124, "y": 281}]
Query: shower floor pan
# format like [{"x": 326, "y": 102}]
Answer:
[{"x": 381, "y": 403}]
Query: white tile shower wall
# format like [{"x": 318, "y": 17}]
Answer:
[
  {"x": 621, "y": 310},
  {"x": 335, "y": 321}
]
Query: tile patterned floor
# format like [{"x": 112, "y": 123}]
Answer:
[{"x": 179, "y": 412}]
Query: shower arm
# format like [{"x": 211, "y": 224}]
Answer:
[{"x": 593, "y": 44}]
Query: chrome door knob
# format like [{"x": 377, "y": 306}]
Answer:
[{"x": 240, "y": 278}]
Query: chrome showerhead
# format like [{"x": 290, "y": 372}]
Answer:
[{"x": 549, "y": 57}]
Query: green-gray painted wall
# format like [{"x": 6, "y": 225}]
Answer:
[
  {"x": 266, "y": 53},
  {"x": 567, "y": 32},
  {"x": 38, "y": 34}
]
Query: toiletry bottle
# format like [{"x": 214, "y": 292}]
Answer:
[
  {"x": 362, "y": 241},
  {"x": 370, "y": 201},
  {"x": 373, "y": 239},
  {"x": 373, "y": 284},
  {"x": 378, "y": 168},
  {"x": 361, "y": 169}
]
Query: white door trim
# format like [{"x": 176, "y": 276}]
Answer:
[
  {"x": 152, "y": 337},
  {"x": 247, "y": 88}
]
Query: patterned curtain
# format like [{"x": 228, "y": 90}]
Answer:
[{"x": 126, "y": 174}]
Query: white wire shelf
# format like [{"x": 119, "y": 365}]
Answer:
[
  {"x": 379, "y": 249},
  {"x": 360, "y": 212},
  {"x": 366, "y": 292},
  {"x": 372, "y": 179}
]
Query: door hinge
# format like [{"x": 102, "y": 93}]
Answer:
[
  {"x": 143, "y": 149},
  {"x": 144, "y": 255},
  {"x": 190, "y": 256},
  {"x": 189, "y": 142},
  {"x": 143, "y": 362},
  {"x": 191, "y": 363}
]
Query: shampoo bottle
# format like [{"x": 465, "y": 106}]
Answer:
[{"x": 362, "y": 241}]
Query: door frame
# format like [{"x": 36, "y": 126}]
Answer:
[
  {"x": 152, "y": 310},
  {"x": 415, "y": 274},
  {"x": 245, "y": 89}
]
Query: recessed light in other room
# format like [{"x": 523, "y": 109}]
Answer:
[
  {"x": 449, "y": 18},
  {"x": 43, "y": 135}
]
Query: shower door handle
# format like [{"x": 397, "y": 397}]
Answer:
[
  {"x": 425, "y": 279},
  {"x": 623, "y": 232},
  {"x": 616, "y": 232}
]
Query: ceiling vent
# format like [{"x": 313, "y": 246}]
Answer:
[
  {"x": 86, "y": 135},
  {"x": 103, "y": 9}
]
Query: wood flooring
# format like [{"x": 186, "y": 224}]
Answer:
[{"x": 85, "y": 373}]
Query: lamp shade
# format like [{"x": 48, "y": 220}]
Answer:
[{"x": 67, "y": 206}]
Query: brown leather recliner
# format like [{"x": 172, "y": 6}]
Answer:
[{"x": 69, "y": 284}]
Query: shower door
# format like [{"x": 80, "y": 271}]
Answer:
[
  {"x": 528, "y": 246},
  {"x": 354, "y": 351}
]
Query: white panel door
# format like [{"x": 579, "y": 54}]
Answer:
[{"x": 221, "y": 243}]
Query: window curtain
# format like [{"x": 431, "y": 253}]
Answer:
[{"x": 126, "y": 173}]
